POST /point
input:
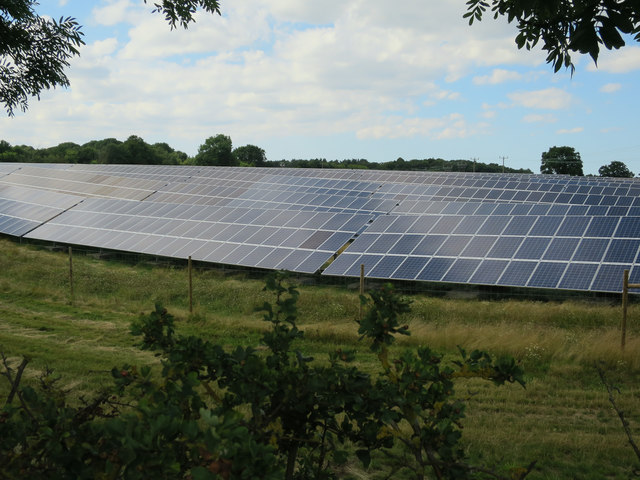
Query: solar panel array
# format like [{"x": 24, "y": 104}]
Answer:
[{"x": 538, "y": 231}]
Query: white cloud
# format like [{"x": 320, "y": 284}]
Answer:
[
  {"x": 570, "y": 130},
  {"x": 610, "y": 88},
  {"x": 498, "y": 75},
  {"x": 547, "y": 99},
  {"x": 537, "y": 118},
  {"x": 450, "y": 126},
  {"x": 115, "y": 11},
  {"x": 624, "y": 60}
]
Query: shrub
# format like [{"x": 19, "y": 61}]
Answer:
[{"x": 253, "y": 413}]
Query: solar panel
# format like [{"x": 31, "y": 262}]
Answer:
[{"x": 539, "y": 231}]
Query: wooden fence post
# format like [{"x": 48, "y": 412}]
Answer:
[
  {"x": 190, "y": 268},
  {"x": 625, "y": 302},
  {"x": 361, "y": 286},
  {"x": 71, "y": 274}
]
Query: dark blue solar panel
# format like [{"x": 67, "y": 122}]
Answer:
[
  {"x": 403, "y": 224},
  {"x": 494, "y": 225},
  {"x": 578, "y": 199},
  {"x": 341, "y": 264},
  {"x": 591, "y": 250},
  {"x": 597, "y": 210},
  {"x": 381, "y": 224},
  {"x": 521, "y": 209},
  {"x": 295, "y": 258},
  {"x": 429, "y": 245},
  {"x": 532, "y": 248},
  {"x": 542, "y": 209},
  {"x": 547, "y": 274},
  {"x": 312, "y": 263},
  {"x": 406, "y": 244},
  {"x": 424, "y": 224},
  {"x": 384, "y": 243},
  {"x": 609, "y": 278},
  {"x": 274, "y": 258},
  {"x": 446, "y": 225},
  {"x": 602, "y": 227},
  {"x": 622, "y": 251},
  {"x": 519, "y": 225},
  {"x": 505, "y": 247},
  {"x": 297, "y": 238},
  {"x": 453, "y": 246},
  {"x": 618, "y": 211},
  {"x": 561, "y": 248},
  {"x": 356, "y": 223},
  {"x": 316, "y": 239},
  {"x": 436, "y": 269},
  {"x": 256, "y": 255},
  {"x": 369, "y": 262},
  {"x": 410, "y": 268},
  {"x": 629, "y": 227},
  {"x": 517, "y": 273},
  {"x": 386, "y": 266},
  {"x": 545, "y": 226},
  {"x": 489, "y": 272},
  {"x": 335, "y": 242},
  {"x": 558, "y": 209},
  {"x": 461, "y": 270},
  {"x": 479, "y": 246},
  {"x": 573, "y": 226},
  {"x": 470, "y": 225},
  {"x": 363, "y": 242}
]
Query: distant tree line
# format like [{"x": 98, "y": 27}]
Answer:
[
  {"x": 218, "y": 151},
  {"x": 134, "y": 150}
]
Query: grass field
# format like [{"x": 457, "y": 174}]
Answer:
[{"x": 563, "y": 418}]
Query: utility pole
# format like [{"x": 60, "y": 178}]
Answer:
[
  {"x": 503, "y": 159},
  {"x": 474, "y": 163}
]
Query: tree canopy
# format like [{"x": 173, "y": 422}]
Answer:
[
  {"x": 250, "y": 155},
  {"x": 615, "y": 169},
  {"x": 561, "y": 160},
  {"x": 216, "y": 151},
  {"x": 36, "y": 50},
  {"x": 565, "y": 26}
]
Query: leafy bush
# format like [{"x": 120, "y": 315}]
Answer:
[{"x": 253, "y": 412}]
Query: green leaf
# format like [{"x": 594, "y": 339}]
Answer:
[
  {"x": 365, "y": 457},
  {"x": 201, "y": 473}
]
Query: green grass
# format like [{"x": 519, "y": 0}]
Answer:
[{"x": 562, "y": 419}]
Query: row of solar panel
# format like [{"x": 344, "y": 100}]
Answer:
[
  {"x": 531, "y": 225},
  {"x": 491, "y": 208},
  {"x": 204, "y": 174},
  {"x": 617, "y": 250},
  {"x": 512, "y": 273},
  {"x": 226, "y": 215},
  {"x": 225, "y": 252},
  {"x": 321, "y": 195},
  {"x": 274, "y": 177}
]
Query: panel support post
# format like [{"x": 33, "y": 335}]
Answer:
[
  {"x": 625, "y": 302},
  {"x": 190, "y": 269},
  {"x": 71, "y": 274},
  {"x": 361, "y": 287}
]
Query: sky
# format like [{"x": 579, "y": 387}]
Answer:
[{"x": 336, "y": 79}]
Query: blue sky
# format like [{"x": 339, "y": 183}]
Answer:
[{"x": 334, "y": 79}]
